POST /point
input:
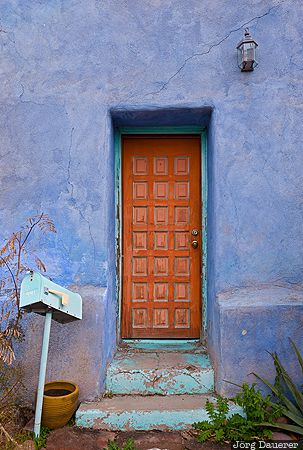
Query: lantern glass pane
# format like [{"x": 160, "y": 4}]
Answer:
[
  {"x": 256, "y": 56},
  {"x": 249, "y": 51},
  {"x": 240, "y": 56}
]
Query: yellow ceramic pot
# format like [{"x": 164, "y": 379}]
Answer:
[{"x": 60, "y": 401}]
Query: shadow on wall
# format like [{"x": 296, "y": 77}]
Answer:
[{"x": 161, "y": 117}]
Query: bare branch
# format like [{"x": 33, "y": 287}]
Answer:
[
  {"x": 12, "y": 275},
  {"x": 31, "y": 229}
]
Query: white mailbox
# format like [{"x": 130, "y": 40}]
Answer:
[{"x": 40, "y": 295}]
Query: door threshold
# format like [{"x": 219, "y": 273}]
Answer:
[{"x": 149, "y": 345}]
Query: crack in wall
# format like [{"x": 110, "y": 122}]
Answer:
[
  {"x": 90, "y": 232},
  {"x": 206, "y": 52},
  {"x": 70, "y": 184},
  {"x": 211, "y": 46},
  {"x": 12, "y": 41},
  {"x": 22, "y": 92},
  {"x": 71, "y": 191},
  {"x": 31, "y": 101},
  {"x": 295, "y": 64}
]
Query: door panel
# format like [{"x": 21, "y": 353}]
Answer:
[{"x": 161, "y": 291}]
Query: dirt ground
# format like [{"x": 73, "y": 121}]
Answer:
[
  {"x": 70, "y": 438},
  {"x": 74, "y": 438}
]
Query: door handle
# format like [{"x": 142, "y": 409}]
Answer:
[{"x": 195, "y": 244}]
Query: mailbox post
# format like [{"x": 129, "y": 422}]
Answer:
[
  {"x": 42, "y": 373},
  {"x": 42, "y": 296}
]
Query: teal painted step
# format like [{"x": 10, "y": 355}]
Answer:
[
  {"x": 159, "y": 373},
  {"x": 128, "y": 413},
  {"x": 167, "y": 345}
]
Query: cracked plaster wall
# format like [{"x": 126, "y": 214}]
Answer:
[{"x": 67, "y": 63}]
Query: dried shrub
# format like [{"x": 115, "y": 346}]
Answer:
[
  {"x": 16, "y": 258},
  {"x": 10, "y": 386}
]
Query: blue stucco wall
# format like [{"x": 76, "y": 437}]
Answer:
[{"x": 71, "y": 70}]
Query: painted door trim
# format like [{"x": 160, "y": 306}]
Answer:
[{"x": 118, "y": 132}]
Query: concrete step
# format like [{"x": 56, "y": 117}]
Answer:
[
  {"x": 128, "y": 413},
  {"x": 159, "y": 373},
  {"x": 160, "y": 345}
]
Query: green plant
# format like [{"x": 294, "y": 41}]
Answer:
[
  {"x": 16, "y": 257},
  {"x": 129, "y": 445},
  {"x": 19, "y": 438},
  {"x": 108, "y": 394},
  {"x": 288, "y": 395},
  {"x": 224, "y": 426},
  {"x": 257, "y": 407},
  {"x": 72, "y": 421},
  {"x": 40, "y": 441},
  {"x": 24, "y": 436}
]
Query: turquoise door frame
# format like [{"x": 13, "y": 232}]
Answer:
[{"x": 118, "y": 207}]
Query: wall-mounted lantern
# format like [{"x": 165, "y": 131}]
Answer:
[{"x": 247, "y": 49}]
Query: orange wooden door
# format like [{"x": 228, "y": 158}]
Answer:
[{"x": 161, "y": 291}]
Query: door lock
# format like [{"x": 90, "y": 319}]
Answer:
[
  {"x": 195, "y": 244},
  {"x": 195, "y": 232}
]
